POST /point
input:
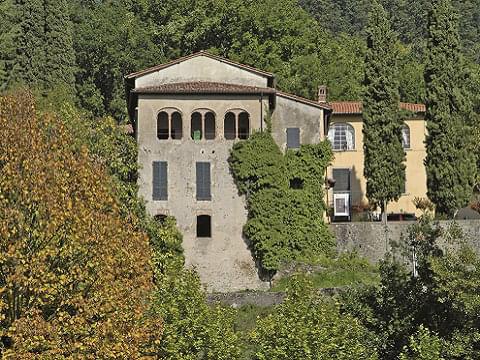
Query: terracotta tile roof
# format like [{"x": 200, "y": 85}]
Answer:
[
  {"x": 355, "y": 107},
  {"x": 202, "y": 87},
  {"x": 200, "y": 53},
  {"x": 304, "y": 101}
]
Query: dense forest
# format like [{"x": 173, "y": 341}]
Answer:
[
  {"x": 307, "y": 44},
  {"x": 86, "y": 273}
]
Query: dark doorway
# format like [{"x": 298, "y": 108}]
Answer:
[{"x": 204, "y": 226}]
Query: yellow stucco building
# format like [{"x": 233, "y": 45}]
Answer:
[{"x": 347, "y": 198}]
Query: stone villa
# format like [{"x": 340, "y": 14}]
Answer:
[{"x": 187, "y": 114}]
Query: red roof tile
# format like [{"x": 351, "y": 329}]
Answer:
[
  {"x": 355, "y": 107},
  {"x": 200, "y": 53},
  {"x": 202, "y": 87}
]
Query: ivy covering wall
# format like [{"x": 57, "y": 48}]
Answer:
[{"x": 285, "y": 199}]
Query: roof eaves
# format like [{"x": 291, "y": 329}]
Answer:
[{"x": 303, "y": 100}]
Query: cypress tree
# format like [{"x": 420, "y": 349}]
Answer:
[
  {"x": 59, "y": 54},
  {"x": 384, "y": 158},
  {"x": 7, "y": 43},
  {"x": 450, "y": 163},
  {"x": 27, "y": 67}
]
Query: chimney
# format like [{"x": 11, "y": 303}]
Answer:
[{"x": 322, "y": 94}]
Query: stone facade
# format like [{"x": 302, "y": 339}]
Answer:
[{"x": 203, "y": 83}]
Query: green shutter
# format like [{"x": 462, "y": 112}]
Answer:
[
  {"x": 203, "y": 181},
  {"x": 160, "y": 180}
]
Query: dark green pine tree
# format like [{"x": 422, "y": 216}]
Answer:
[
  {"x": 27, "y": 65},
  {"x": 8, "y": 30},
  {"x": 450, "y": 163},
  {"x": 384, "y": 166},
  {"x": 59, "y": 66}
]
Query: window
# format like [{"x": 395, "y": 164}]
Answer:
[
  {"x": 169, "y": 125},
  {"x": 160, "y": 180},
  {"x": 342, "y": 179},
  {"x": 296, "y": 184},
  {"x": 176, "y": 131},
  {"x": 293, "y": 138},
  {"x": 203, "y": 181},
  {"x": 196, "y": 126},
  {"x": 406, "y": 137},
  {"x": 229, "y": 126},
  {"x": 243, "y": 125},
  {"x": 209, "y": 119},
  {"x": 342, "y": 136},
  {"x": 162, "y": 125},
  {"x": 204, "y": 226},
  {"x": 236, "y": 125}
]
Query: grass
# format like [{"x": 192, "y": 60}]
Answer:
[{"x": 347, "y": 270}]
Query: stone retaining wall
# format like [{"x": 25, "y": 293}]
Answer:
[{"x": 370, "y": 241}]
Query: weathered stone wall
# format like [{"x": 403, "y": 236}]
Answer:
[{"x": 369, "y": 240}]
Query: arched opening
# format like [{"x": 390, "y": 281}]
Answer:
[
  {"x": 176, "y": 128},
  {"x": 406, "y": 137},
  {"x": 160, "y": 219},
  {"x": 243, "y": 125},
  {"x": 196, "y": 126},
  {"x": 342, "y": 137},
  {"x": 229, "y": 126},
  {"x": 204, "y": 226},
  {"x": 209, "y": 126},
  {"x": 162, "y": 125}
]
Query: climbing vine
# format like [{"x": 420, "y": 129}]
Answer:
[{"x": 284, "y": 195}]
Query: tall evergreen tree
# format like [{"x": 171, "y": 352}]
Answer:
[
  {"x": 450, "y": 163},
  {"x": 59, "y": 55},
  {"x": 384, "y": 166},
  {"x": 29, "y": 43}
]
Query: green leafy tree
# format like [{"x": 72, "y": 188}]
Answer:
[
  {"x": 305, "y": 326},
  {"x": 384, "y": 166},
  {"x": 442, "y": 295},
  {"x": 450, "y": 162}
]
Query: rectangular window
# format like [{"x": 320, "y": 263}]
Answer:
[
  {"x": 342, "y": 179},
  {"x": 203, "y": 181},
  {"x": 160, "y": 180},
  {"x": 293, "y": 138}
]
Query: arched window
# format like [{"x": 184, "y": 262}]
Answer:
[
  {"x": 342, "y": 136},
  {"x": 229, "y": 126},
  {"x": 209, "y": 119},
  {"x": 405, "y": 137},
  {"x": 176, "y": 130},
  {"x": 162, "y": 125},
  {"x": 243, "y": 125},
  {"x": 196, "y": 126}
]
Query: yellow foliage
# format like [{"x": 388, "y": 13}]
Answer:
[{"x": 75, "y": 277}]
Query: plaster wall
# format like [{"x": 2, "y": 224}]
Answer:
[
  {"x": 293, "y": 114},
  {"x": 416, "y": 180},
  {"x": 223, "y": 261},
  {"x": 202, "y": 68}
]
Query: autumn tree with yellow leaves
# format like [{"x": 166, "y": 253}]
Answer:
[{"x": 75, "y": 278}]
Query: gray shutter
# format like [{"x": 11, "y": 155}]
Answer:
[
  {"x": 342, "y": 179},
  {"x": 160, "y": 180},
  {"x": 203, "y": 181},
  {"x": 293, "y": 138}
]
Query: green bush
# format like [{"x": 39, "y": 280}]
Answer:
[{"x": 308, "y": 327}]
